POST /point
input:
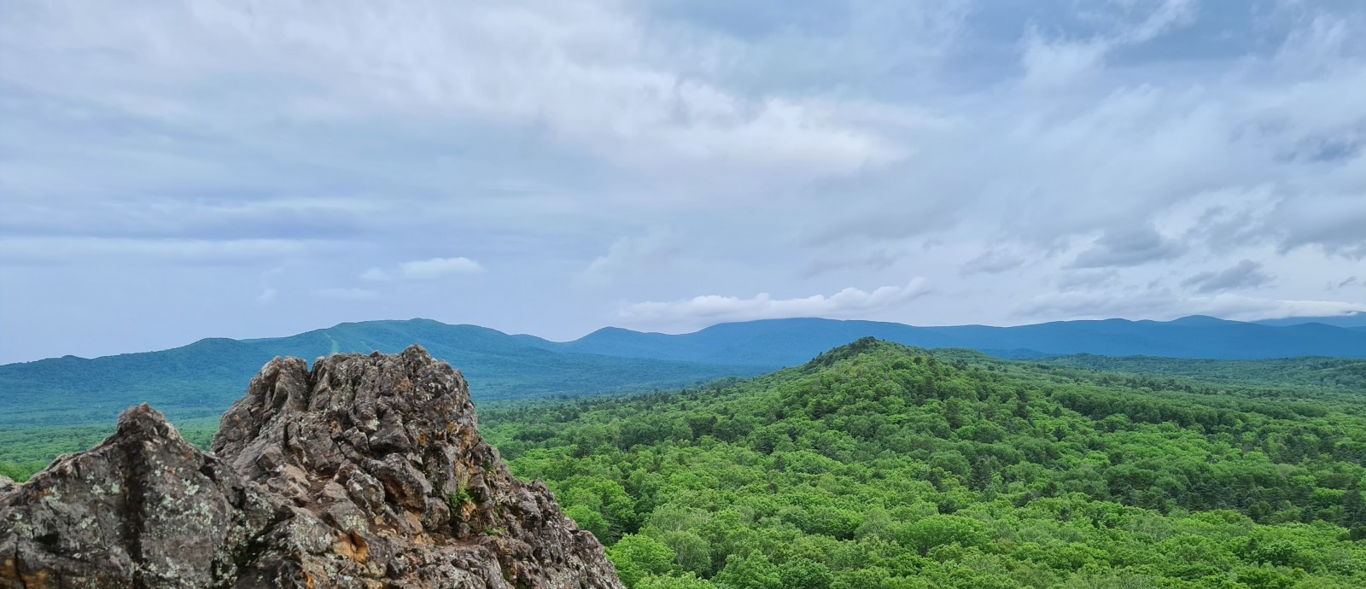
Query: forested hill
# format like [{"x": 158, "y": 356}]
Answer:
[
  {"x": 1331, "y": 373},
  {"x": 881, "y": 466},
  {"x": 203, "y": 378}
]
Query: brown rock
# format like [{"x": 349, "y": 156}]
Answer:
[{"x": 367, "y": 471}]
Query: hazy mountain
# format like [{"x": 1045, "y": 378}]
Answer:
[
  {"x": 202, "y": 378},
  {"x": 781, "y": 342},
  {"x": 1353, "y": 320}
]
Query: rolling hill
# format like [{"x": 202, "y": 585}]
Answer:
[
  {"x": 203, "y": 378},
  {"x": 783, "y": 342},
  {"x": 876, "y": 465}
]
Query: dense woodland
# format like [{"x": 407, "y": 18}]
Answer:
[{"x": 879, "y": 466}]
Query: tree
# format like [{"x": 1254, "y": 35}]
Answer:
[{"x": 637, "y": 557}]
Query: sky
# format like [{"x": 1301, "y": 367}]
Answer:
[{"x": 177, "y": 170}]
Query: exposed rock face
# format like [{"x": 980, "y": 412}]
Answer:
[{"x": 367, "y": 471}]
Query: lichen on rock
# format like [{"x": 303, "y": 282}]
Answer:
[{"x": 365, "y": 472}]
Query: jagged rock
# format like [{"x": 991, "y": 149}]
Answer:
[{"x": 367, "y": 471}]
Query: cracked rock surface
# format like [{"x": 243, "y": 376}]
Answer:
[{"x": 365, "y": 471}]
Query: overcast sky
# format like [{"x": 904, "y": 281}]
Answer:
[{"x": 171, "y": 171}]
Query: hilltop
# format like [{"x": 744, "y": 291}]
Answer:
[
  {"x": 879, "y": 465},
  {"x": 200, "y": 380}
]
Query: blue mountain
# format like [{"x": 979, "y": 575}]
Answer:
[
  {"x": 781, "y": 342},
  {"x": 1355, "y": 320},
  {"x": 203, "y": 378}
]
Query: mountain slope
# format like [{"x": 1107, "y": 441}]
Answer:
[
  {"x": 199, "y": 380},
  {"x": 875, "y": 465},
  {"x": 203, "y": 378},
  {"x": 1348, "y": 375},
  {"x": 1354, "y": 320},
  {"x": 783, "y": 342}
]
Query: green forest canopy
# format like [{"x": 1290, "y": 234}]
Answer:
[{"x": 880, "y": 466}]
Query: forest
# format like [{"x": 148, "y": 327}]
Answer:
[
  {"x": 876, "y": 465},
  {"x": 881, "y": 466}
]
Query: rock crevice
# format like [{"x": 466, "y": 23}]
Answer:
[{"x": 364, "y": 471}]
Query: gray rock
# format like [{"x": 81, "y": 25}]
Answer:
[{"x": 367, "y": 471}]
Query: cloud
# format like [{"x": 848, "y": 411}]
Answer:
[
  {"x": 652, "y": 250},
  {"x": 1244, "y": 274},
  {"x": 348, "y": 294},
  {"x": 1166, "y": 305},
  {"x": 87, "y": 250},
  {"x": 1333, "y": 222},
  {"x": 716, "y": 308},
  {"x": 993, "y": 261},
  {"x": 857, "y": 257},
  {"x": 376, "y": 274},
  {"x": 1087, "y": 279},
  {"x": 438, "y": 268},
  {"x": 1128, "y": 247},
  {"x": 1116, "y": 150},
  {"x": 430, "y": 269},
  {"x": 267, "y": 296},
  {"x": 1054, "y": 62}
]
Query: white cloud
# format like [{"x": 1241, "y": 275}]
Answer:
[
  {"x": 652, "y": 250},
  {"x": 376, "y": 275},
  {"x": 715, "y": 308},
  {"x": 267, "y": 296},
  {"x": 1245, "y": 308},
  {"x": 1051, "y": 62},
  {"x": 429, "y": 269},
  {"x": 784, "y": 145},
  {"x": 1165, "y": 305},
  {"x": 438, "y": 268}
]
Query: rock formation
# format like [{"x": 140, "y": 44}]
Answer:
[{"x": 367, "y": 471}]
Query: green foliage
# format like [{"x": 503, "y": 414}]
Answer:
[
  {"x": 881, "y": 466},
  {"x": 1330, "y": 373},
  {"x": 637, "y": 557},
  {"x": 688, "y": 581},
  {"x": 24, "y": 452}
]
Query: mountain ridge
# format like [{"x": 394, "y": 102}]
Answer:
[
  {"x": 789, "y": 340},
  {"x": 201, "y": 378}
]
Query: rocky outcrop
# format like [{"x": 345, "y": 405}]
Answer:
[{"x": 366, "y": 471}]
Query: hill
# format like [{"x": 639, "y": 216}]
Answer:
[
  {"x": 877, "y": 465},
  {"x": 200, "y": 380},
  {"x": 1353, "y": 320},
  {"x": 1342, "y": 374},
  {"x": 203, "y": 378},
  {"x": 784, "y": 342}
]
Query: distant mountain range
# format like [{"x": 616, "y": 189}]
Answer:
[
  {"x": 1355, "y": 320},
  {"x": 780, "y": 342},
  {"x": 203, "y": 378}
]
